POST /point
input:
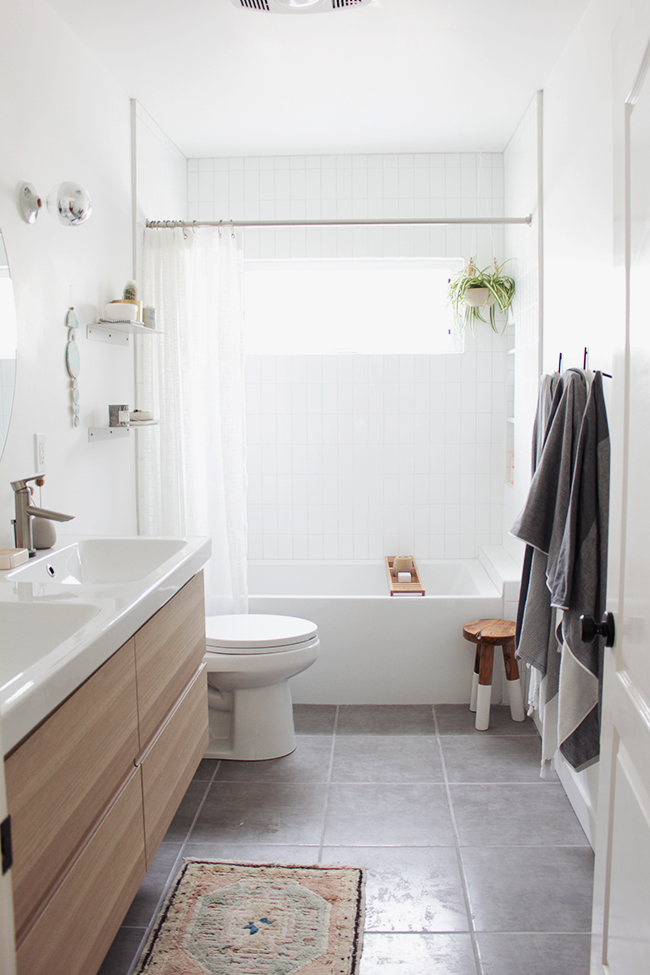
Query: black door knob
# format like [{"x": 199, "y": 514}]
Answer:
[{"x": 591, "y": 629}]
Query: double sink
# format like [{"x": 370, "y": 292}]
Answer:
[{"x": 63, "y": 614}]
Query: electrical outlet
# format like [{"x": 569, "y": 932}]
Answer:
[{"x": 39, "y": 452}]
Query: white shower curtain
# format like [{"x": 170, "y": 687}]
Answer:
[{"x": 191, "y": 469}]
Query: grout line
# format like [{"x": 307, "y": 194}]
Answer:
[
  {"x": 423, "y": 846},
  {"x": 172, "y": 873},
  {"x": 474, "y": 735},
  {"x": 459, "y": 859},
  {"x": 527, "y": 934},
  {"x": 330, "y": 766},
  {"x": 419, "y": 934},
  {"x": 505, "y": 783},
  {"x": 403, "y": 783},
  {"x": 201, "y": 804}
]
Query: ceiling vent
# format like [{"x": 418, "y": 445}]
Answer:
[{"x": 299, "y": 6}]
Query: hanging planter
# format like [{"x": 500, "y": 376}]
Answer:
[
  {"x": 479, "y": 297},
  {"x": 473, "y": 291}
]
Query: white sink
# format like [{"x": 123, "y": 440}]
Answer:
[
  {"x": 31, "y": 630},
  {"x": 65, "y": 612},
  {"x": 99, "y": 561}
]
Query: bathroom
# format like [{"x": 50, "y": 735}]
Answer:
[{"x": 53, "y": 268}]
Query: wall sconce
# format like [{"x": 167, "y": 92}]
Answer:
[{"x": 67, "y": 201}]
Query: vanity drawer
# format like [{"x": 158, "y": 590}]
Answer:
[
  {"x": 168, "y": 650},
  {"x": 61, "y": 778},
  {"x": 77, "y": 925},
  {"x": 171, "y": 760}
]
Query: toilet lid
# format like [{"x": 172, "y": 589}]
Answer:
[{"x": 248, "y": 633}]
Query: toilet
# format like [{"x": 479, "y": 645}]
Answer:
[{"x": 250, "y": 659}]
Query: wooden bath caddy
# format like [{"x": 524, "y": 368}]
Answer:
[{"x": 412, "y": 588}]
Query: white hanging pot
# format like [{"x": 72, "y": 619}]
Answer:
[{"x": 479, "y": 297}]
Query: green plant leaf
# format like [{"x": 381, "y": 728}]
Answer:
[{"x": 501, "y": 287}]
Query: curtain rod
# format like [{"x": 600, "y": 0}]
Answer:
[{"x": 413, "y": 222}]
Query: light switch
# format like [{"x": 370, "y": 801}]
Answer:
[{"x": 39, "y": 452}]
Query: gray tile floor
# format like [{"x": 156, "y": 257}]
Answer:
[{"x": 475, "y": 865}]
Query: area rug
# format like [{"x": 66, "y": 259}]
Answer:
[{"x": 227, "y": 918}]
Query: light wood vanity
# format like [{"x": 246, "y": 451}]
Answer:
[{"x": 92, "y": 790}]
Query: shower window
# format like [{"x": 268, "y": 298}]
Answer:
[{"x": 330, "y": 307}]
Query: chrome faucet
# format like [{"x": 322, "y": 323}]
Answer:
[{"x": 25, "y": 511}]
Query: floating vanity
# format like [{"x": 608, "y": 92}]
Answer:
[{"x": 105, "y": 725}]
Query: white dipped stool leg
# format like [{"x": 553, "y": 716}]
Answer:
[
  {"x": 516, "y": 700},
  {"x": 484, "y": 688},
  {"x": 483, "y": 700}
]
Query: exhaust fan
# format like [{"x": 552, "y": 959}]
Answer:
[{"x": 298, "y": 6}]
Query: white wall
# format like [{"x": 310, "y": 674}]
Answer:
[
  {"x": 387, "y": 453},
  {"x": 579, "y": 235},
  {"x": 62, "y": 117},
  {"x": 160, "y": 177},
  {"x": 578, "y": 197},
  {"x": 160, "y": 193},
  {"x": 522, "y": 168}
]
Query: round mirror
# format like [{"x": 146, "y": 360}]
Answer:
[
  {"x": 72, "y": 359},
  {"x": 8, "y": 339}
]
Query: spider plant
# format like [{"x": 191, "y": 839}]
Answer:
[{"x": 493, "y": 292}]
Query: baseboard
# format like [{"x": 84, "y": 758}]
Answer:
[{"x": 578, "y": 796}]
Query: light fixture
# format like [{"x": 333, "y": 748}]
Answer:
[
  {"x": 298, "y": 6},
  {"x": 67, "y": 201},
  {"x": 299, "y": 3}
]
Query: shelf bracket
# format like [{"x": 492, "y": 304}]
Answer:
[
  {"x": 107, "y": 433},
  {"x": 104, "y": 334}
]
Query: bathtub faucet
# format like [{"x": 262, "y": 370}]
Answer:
[{"x": 25, "y": 511}]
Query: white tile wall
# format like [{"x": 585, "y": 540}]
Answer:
[
  {"x": 356, "y": 457},
  {"x": 362, "y": 456},
  {"x": 353, "y": 187}
]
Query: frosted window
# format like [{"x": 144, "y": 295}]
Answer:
[{"x": 331, "y": 307}]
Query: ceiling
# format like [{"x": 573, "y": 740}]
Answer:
[{"x": 392, "y": 76}]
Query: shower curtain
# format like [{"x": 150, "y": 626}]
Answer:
[{"x": 191, "y": 469}]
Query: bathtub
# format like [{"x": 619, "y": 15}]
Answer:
[{"x": 377, "y": 648}]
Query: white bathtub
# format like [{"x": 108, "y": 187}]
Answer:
[{"x": 377, "y": 648}]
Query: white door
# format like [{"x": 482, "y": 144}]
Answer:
[
  {"x": 7, "y": 954},
  {"x": 621, "y": 921}
]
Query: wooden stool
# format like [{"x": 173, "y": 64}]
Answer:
[{"x": 488, "y": 634}]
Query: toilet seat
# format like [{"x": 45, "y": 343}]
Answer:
[{"x": 256, "y": 633}]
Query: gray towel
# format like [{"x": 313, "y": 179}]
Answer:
[
  {"x": 579, "y": 586},
  {"x": 547, "y": 387},
  {"x": 542, "y": 521},
  {"x": 541, "y": 525},
  {"x": 545, "y": 398}
]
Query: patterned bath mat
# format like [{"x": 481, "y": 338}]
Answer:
[{"x": 226, "y": 918}]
